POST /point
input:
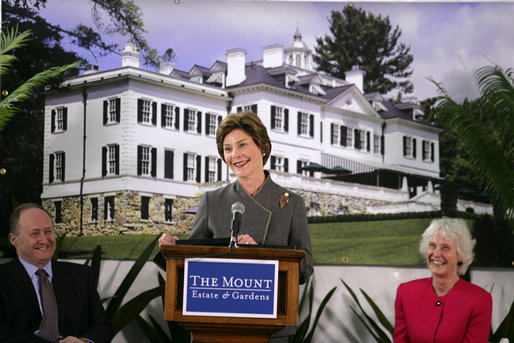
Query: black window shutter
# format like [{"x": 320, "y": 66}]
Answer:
[
  {"x": 139, "y": 154},
  {"x": 106, "y": 108},
  {"x": 311, "y": 125},
  {"x": 382, "y": 144},
  {"x": 139, "y": 110},
  {"x": 342, "y": 135},
  {"x": 63, "y": 164},
  {"x": 219, "y": 169},
  {"x": 184, "y": 169},
  {"x": 321, "y": 132},
  {"x": 286, "y": 165},
  {"x": 163, "y": 115},
  {"x": 199, "y": 124},
  {"x": 286, "y": 120},
  {"x": 357, "y": 137},
  {"x": 368, "y": 140},
  {"x": 432, "y": 152},
  {"x": 414, "y": 147},
  {"x": 273, "y": 162},
  {"x": 206, "y": 173},
  {"x": 104, "y": 160},
  {"x": 118, "y": 110},
  {"x": 299, "y": 123},
  {"x": 404, "y": 145},
  {"x": 65, "y": 119},
  {"x": 198, "y": 168},
  {"x": 219, "y": 120},
  {"x": 177, "y": 117},
  {"x": 332, "y": 129},
  {"x": 153, "y": 172},
  {"x": 298, "y": 167},
  {"x": 186, "y": 115},
  {"x": 168, "y": 164},
  {"x": 117, "y": 156},
  {"x": 239, "y": 109},
  {"x": 51, "y": 168},
  {"x": 254, "y": 108},
  {"x": 154, "y": 113},
  {"x": 273, "y": 115},
  {"x": 52, "y": 123},
  {"x": 207, "y": 120}
]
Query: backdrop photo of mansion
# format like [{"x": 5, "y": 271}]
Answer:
[{"x": 130, "y": 150}]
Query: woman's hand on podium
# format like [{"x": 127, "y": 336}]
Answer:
[
  {"x": 245, "y": 239},
  {"x": 167, "y": 239}
]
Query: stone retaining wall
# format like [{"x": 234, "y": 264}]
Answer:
[{"x": 127, "y": 218}]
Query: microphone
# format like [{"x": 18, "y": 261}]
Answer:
[{"x": 237, "y": 212}]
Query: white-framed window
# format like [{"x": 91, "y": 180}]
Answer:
[
  {"x": 334, "y": 128},
  {"x": 304, "y": 122},
  {"x": 409, "y": 147},
  {"x": 349, "y": 137},
  {"x": 361, "y": 144},
  {"x": 212, "y": 173},
  {"x": 58, "y": 120},
  {"x": 59, "y": 166},
  {"x": 376, "y": 143},
  {"x": 191, "y": 167},
  {"x": 111, "y": 159},
  {"x": 279, "y": 163},
  {"x": 145, "y": 160},
  {"x": 112, "y": 111},
  {"x": 428, "y": 151},
  {"x": 299, "y": 168},
  {"x": 169, "y": 116},
  {"x": 191, "y": 121},
  {"x": 146, "y": 111},
  {"x": 212, "y": 126},
  {"x": 279, "y": 118}
]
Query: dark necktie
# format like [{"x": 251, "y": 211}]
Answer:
[{"x": 49, "y": 328}]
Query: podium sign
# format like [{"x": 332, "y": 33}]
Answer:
[{"x": 230, "y": 287}]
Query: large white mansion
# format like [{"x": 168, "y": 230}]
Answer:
[{"x": 128, "y": 150}]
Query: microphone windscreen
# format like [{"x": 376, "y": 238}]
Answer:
[{"x": 238, "y": 207}]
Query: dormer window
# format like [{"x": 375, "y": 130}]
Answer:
[
  {"x": 417, "y": 114},
  {"x": 378, "y": 106},
  {"x": 197, "y": 79},
  {"x": 217, "y": 79},
  {"x": 316, "y": 89}
]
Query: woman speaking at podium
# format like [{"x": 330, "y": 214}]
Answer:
[{"x": 272, "y": 215}]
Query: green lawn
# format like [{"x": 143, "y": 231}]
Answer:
[{"x": 387, "y": 242}]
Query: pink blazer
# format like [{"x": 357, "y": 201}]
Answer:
[{"x": 461, "y": 315}]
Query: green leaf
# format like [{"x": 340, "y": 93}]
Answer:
[{"x": 121, "y": 292}]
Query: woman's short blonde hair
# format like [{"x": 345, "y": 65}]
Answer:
[
  {"x": 250, "y": 123},
  {"x": 453, "y": 229}
]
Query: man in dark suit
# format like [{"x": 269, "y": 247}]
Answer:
[{"x": 80, "y": 314}]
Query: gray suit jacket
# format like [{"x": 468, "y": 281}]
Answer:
[{"x": 264, "y": 219}]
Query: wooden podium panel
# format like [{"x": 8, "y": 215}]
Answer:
[{"x": 214, "y": 329}]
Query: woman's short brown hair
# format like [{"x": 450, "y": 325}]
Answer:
[{"x": 250, "y": 123}]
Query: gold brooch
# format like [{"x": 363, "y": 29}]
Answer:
[{"x": 284, "y": 198}]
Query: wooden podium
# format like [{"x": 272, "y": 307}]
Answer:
[{"x": 213, "y": 329}]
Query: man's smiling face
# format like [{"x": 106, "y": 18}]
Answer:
[{"x": 34, "y": 238}]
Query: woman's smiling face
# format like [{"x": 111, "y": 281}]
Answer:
[
  {"x": 442, "y": 256},
  {"x": 242, "y": 154}
]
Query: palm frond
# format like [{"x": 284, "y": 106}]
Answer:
[
  {"x": 9, "y": 41},
  {"x": 492, "y": 162}
]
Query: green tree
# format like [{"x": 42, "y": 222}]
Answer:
[
  {"x": 490, "y": 146},
  {"x": 369, "y": 42}
]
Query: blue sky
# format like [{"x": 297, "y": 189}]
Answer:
[{"x": 449, "y": 40}]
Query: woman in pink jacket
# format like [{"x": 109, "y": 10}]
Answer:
[{"x": 443, "y": 308}]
